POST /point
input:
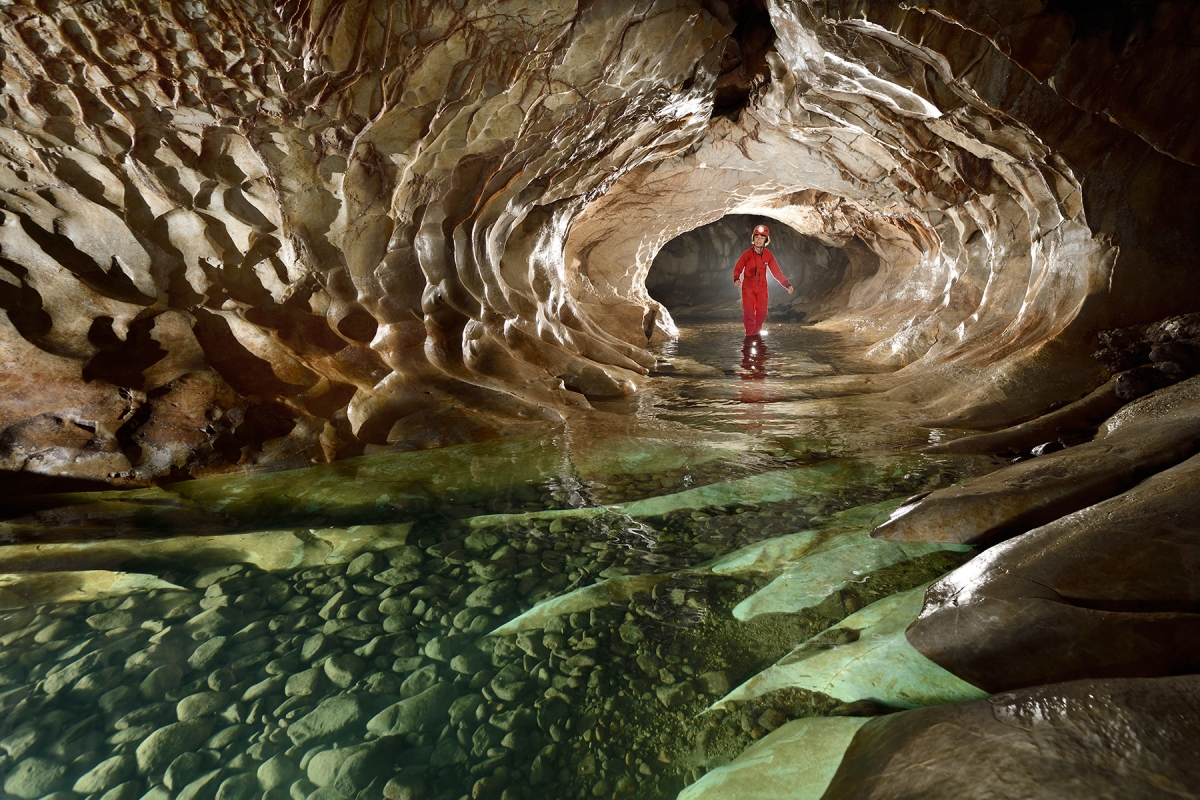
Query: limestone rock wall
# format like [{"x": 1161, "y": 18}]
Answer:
[
  {"x": 1012, "y": 221},
  {"x": 239, "y": 232},
  {"x": 253, "y": 233}
]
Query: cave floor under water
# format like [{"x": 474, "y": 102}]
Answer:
[{"x": 609, "y": 609}]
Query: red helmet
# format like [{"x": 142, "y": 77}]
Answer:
[{"x": 761, "y": 230}]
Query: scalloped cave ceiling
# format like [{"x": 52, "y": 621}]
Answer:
[{"x": 245, "y": 233}]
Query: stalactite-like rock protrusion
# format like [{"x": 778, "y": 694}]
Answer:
[
  {"x": 241, "y": 233},
  {"x": 255, "y": 234}
]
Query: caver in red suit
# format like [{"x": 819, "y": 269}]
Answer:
[{"x": 751, "y": 270}]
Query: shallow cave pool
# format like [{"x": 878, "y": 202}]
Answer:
[{"x": 619, "y": 607}]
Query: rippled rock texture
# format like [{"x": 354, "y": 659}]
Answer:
[{"x": 246, "y": 233}]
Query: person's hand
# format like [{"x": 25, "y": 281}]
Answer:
[
  {"x": 737, "y": 284},
  {"x": 791, "y": 289}
]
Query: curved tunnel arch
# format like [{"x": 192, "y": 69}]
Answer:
[
  {"x": 690, "y": 275},
  {"x": 991, "y": 258},
  {"x": 467, "y": 221}
]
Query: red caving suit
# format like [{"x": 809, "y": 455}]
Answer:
[{"x": 754, "y": 286}]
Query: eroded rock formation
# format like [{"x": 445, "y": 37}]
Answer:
[{"x": 272, "y": 234}]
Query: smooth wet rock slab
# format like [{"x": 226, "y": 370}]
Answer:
[
  {"x": 1145, "y": 437},
  {"x": 864, "y": 657},
  {"x": 813, "y": 565},
  {"x": 96, "y": 560},
  {"x": 23, "y": 589},
  {"x": 795, "y": 762},
  {"x": 1109, "y": 591},
  {"x": 1101, "y": 740},
  {"x": 1079, "y": 418},
  {"x": 581, "y": 600}
]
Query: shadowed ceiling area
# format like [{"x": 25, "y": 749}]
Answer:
[{"x": 255, "y": 234}]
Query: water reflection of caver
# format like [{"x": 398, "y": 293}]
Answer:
[
  {"x": 754, "y": 370},
  {"x": 754, "y": 358}
]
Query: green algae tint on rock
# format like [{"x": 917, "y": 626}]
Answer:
[
  {"x": 796, "y": 762},
  {"x": 814, "y": 564},
  {"x": 865, "y": 657}
]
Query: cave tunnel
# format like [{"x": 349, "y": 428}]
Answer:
[
  {"x": 691, "y": 275},
  {"x": 376, "y": 419}
]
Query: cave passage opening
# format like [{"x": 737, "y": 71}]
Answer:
[{"x": 691, "y": 276}]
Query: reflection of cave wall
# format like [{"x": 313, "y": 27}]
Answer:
[
  {"x": 692, "y": 274},
  {"x": 258, "y": 233}
]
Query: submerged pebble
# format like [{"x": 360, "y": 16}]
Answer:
[{"x": 379, "y": 676}]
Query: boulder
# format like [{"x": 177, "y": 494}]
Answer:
[
  {"x": 1110, "y": 591},
  {"x": 1101, "y": 740}
]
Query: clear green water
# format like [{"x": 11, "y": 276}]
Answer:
[{"x": 539, "y": 617}]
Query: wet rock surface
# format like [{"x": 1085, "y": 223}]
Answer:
[
  {"x": 541, "y": 652},
  {"x": 178, "y": 300},
  {"x": 1145, "y": 437},
  {"x": 1108, "y": 591},
  {"x": 1034, "y": 743},
  {"x": 261, "y": 235},
  {"x": 1073, "y": 424}
]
